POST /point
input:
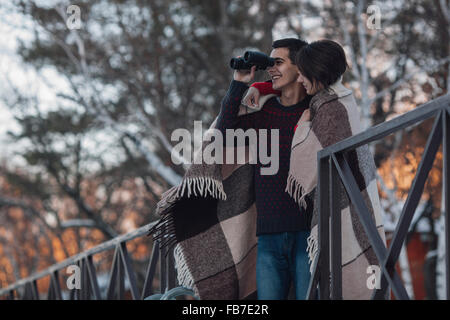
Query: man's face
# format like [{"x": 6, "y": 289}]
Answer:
[{"x": 283, "y": 72}]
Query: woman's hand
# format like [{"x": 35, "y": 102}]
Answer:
[
  {"x": 306, "y": 116},
  {"x": 251, "y": 99}
]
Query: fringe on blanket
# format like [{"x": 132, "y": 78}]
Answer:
[
  {"x": 185, "y": 278},
  {"x": 164, "y": 230},
  {"x": 296, "y": 191},
  {"x": 202, "y": 187},
  {"x": 313, "y": 248}
]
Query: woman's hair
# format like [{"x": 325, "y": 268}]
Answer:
[{"x": 322, "y": 62}]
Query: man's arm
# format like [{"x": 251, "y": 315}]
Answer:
[{"x": 228, "y": 116}]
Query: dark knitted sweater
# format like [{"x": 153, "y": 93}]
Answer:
[{"x": 277, "y": 211}]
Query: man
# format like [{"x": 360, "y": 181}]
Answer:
[{"x": 282, "y": 226}]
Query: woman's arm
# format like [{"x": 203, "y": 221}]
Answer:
[
  {"x": 257, "y": 90},
  {"x": 265, "y": 88}
]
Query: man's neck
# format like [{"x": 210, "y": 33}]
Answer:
[{"x": 292, "y": 94}]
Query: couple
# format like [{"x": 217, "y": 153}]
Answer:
[{"x": 237, "y": 232}]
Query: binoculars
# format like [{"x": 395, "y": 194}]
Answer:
[{"x": 250, "y": 59}]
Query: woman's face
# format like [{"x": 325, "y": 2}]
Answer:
[{"x": 310, "y": 88}]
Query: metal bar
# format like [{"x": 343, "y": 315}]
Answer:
[
  {"x": 72, "y": 295},
  {"x": 112, "y": 279},
  {"x": 78, "y": 291},
  {"x": 120, "y": 289},
  {"x": 27, "y": 293},
  {"x": 446, "y": 182},
  {"x": 171, "y": 279},
  {"x": 377, "y": 244},
  {"x": 384, "y": 129},
  {"x": 85, "y": 288},
  {"x": 129, "y": 271},
  {"x": 323, "y": 185},
  {"x": 148, "y": 283},
  {"x": 11, "y": 295},
  {"x": 336, "y": 236},
  {"x": 312, "y": 288},
  {"x": 34, "y": 290},
  {"x": 423, "y": 170},
  {"x": 51, "y": 291},
  {"x": 163, "y": 268},
  {"x": 93, "y": 278},
  {"x": 56, "y": 285}
]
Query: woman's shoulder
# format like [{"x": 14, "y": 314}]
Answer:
[
  {"x": 321, "y": 98},
  {"x": 336, "y": 97}
]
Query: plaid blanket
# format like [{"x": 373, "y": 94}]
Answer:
[{"x": 210, "y": 218}]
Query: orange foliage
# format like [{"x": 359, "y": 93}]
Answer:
[{"x": 399, "y": 171}]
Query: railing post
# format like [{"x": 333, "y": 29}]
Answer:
[
  {"x": 84, "y": 281},
  {"x": 163, "y": 269},
  {"x": 446, "y": 182},
  {"x": 112, "y": 284},
  {"x": 35, "y": 291},
  {"x": 56, "y": 286},
  {"x": 323, "y": 187},
  {"x": 148, "y": 284},
  {"x": 78, "y": 292},
  {"x": 336, "y": 234},
  {"x": 129, "y": 270},
  {"x": 171, "y": 278},
  {"x": 120, "y": 276},
  {"x": 93, "y": 277}
]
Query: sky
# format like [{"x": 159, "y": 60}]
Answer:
[
  {"x": 12, "y": 70},
  {"x": 9, "y": 63},
  {"x": 14, "y": 28}
]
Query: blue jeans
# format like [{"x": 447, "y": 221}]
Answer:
[{"x": 282, "y": 258}]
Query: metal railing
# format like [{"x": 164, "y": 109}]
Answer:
[
  {"x": 27, "y": 288},
  {"x": 334, "y": 173}
]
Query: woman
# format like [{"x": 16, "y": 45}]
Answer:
[{"x": 333, "y": 116}]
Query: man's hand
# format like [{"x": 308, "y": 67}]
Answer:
[{"x": 244, "y": 75}]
